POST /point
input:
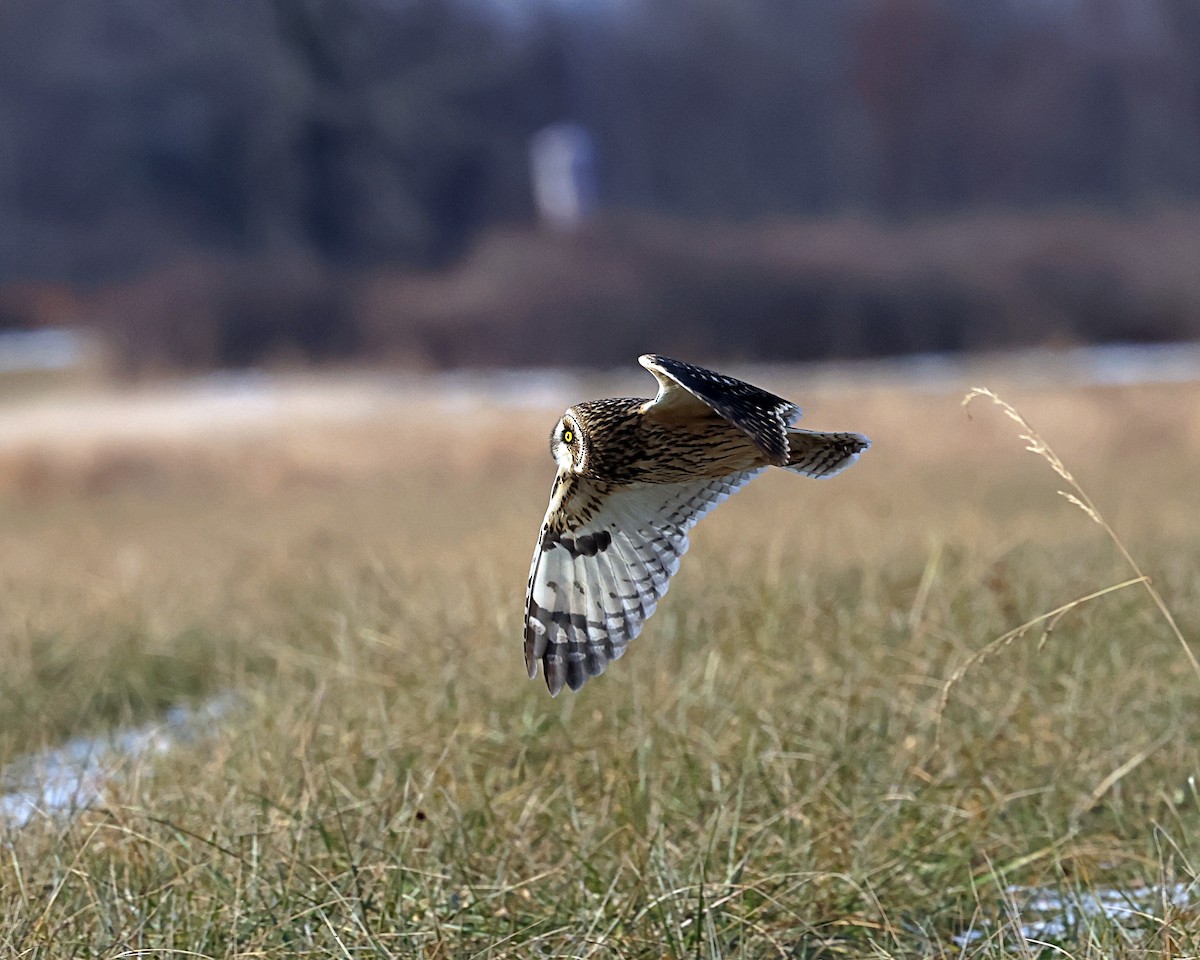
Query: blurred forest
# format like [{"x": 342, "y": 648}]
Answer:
[{"x": 233, "y": 182}]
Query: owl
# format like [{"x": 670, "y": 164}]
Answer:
[{"x": 634, "y": 476}]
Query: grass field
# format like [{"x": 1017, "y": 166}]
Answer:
[{"x": 767, "y": 773}]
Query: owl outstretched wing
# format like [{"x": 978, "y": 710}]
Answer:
[
  {"x": 762, "y": 416},
  {"x": 603, "y": 560}
]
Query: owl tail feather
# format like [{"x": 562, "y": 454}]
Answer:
[{"x": 815, "y": 454}]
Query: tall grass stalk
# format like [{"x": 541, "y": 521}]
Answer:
[{"x": 1036, "y": 444}]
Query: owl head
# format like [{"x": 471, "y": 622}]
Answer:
[{"x": 567, "y": 443}]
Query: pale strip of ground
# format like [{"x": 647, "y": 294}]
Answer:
[{"x": 231, "y": 404}]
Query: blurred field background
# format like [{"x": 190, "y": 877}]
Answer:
[
  {"x": 291, "y": 294},
  {"x": 438, "y": 183},
  {"x": 758, "y": 777}
]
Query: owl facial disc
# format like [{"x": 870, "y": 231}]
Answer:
[{"x": 566, "y": 444}]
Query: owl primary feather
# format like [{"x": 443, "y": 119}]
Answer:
[{"x": 634, "y": 476}]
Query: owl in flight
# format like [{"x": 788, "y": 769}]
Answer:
[{"x": 634, "y": 476}]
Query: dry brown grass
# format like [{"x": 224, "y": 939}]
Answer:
[{"x": 756, "y": 778}]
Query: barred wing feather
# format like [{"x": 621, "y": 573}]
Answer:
[{"x": 603, "y": 561}]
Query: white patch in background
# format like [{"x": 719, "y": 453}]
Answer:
[
  {"x": 1059, "y": 916},
  {"x": 562, "y": 164},
  {"x": 51, "y": 349},
  {"x": 76, "y": 775}
]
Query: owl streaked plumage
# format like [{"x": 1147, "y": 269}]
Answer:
[{"x": 634, "y": 476}]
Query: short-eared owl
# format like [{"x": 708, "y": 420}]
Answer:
[{"x": 634, "y": 476}]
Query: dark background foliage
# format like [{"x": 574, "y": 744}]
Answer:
[{"x": 231, "y": 182}]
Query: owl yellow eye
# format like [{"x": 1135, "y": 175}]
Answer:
[{"x": 568, "y": 435}]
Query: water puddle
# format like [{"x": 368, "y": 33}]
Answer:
[
  {"x": 76, "y": 774},
  {"x": 1040, "y": 914}
]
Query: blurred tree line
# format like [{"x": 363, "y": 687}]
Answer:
[{"x": 224, "y": 180}]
